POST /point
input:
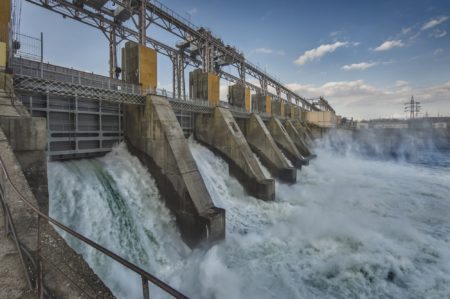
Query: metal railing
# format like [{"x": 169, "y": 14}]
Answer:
[{"x": 35, "y": 273}]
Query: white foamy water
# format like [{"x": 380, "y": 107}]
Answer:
[{"x": 349, "y": 228}]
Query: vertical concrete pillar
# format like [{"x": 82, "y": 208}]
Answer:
[
  {"x": 221, "y": 132},
  {"x": 155, "y": 136},
  {"x": 285, "y": 142},
  {"x": 204, "y": 86},
  {"x": 139, "y": 65},
  {"x": 260, "y": 140},
  {"x": 262, "y": 103},
  {"x": 239, "y": 96},
  {"x": 278, "y": 108}
]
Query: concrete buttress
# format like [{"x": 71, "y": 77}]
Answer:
[
  {"x": 282, "y": 138},
  {"x": 304, "y": 132},
  {"x": 260, "y": 140},
  {"x": 297, "y": 138},
  {"x": 154, "y": 134},
  {"x": 221, "y": 132}
]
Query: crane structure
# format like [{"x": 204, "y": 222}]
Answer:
[{"x": 121, "y": 20}]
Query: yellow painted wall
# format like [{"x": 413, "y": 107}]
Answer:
[
  {"x": 269, "y": 104},
  {"x": 293, "y": 115},
  {"x": 5, "y": 16},
  {"x": 282, "y": 108},
  {"x": 3, "y": 55},
  {"x": 213, "y": 89},
  {"x": 248, "y": 101},
  {"x": 322, "y": 118},
  {"x": 148, "y": 67}
]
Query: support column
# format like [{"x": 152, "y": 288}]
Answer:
[
  {"x": 285, "y": 142},
  {"x": 221, "y": 132},
  {"x": 155, "y": 136},
  {"x": 112, "y": 53},
  {"x": 262, "y": 103},
  {"x": 298, "y": 139},
  {"x": 264, "y": 145},
  {"x": 204, "y": 86},
  {"x": 239, "y": 96},
  {"x": 304, "y": 131},
  {"x": 139, "y": 65},
  {"x": 278, "y": 108}
]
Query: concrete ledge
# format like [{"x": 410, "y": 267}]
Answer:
[
  {"x": 297, "y": 138},
  {"x": 221, "y": 132},
  {"x": 265, "y": 147},
  {"x": 282, "y": 138},
  {"x": 155, "y": 136}
]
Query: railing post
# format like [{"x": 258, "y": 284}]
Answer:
[
  {"x": 42, "y": 55},
  {"x": 145, "y": 288},
  {"x": 40, "y": 284}
]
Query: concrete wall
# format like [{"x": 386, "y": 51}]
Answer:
[
  {"x": 5, "y": 16},
  {"x": 239, "y": 96},
  {"x": 262, "y": 143},
  {"x": 285, "y": 142},
  {"x": 297, "y": 138},
  {"x": 304, "y": 131},
  {"x": 324, "y": 119},
  {"x": 155, "y": 136},
  {"x": 262, "y": 103},
  {"x": 204, "y": 86},
  {"x": 221, "y": 132},
  {"x": 139, "y": 65},
  {"x": 278, "y": 108}
]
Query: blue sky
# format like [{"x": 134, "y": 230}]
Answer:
[{"x": 366, "y": 57}]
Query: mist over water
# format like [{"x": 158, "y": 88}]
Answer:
[{"x": 353, "y": 226}]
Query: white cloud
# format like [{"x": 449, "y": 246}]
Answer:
[
  {"x": 192, "y": 11},
  {"x": 389, "y": 44},
  {"x": 434, "y": 22},
  {"x": 406, "y": 30},
  {"x": 318, "y": 52},
  {"x": 359, "y": 66},
  {"x": 438, "y": 33},
  {"x": 438, "y": 51},
  {"x": 401, "y": 83},
  {"x": 361, "y": 100},
  {"x": 269, "y": 51}
]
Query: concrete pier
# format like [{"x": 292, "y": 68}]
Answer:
[
  {"x": 304, "y": 132},
  {"x": 297, "y": 138},
  {"x": 239, "y": 96},
  {"x": 155, "y": 136},
  {"x": 204, "y": 86},
  {"x": 282, "y": 138},
  {"x": 262, "y": 143},
  {"x": 262, "y": 103},
  {"x": 278, "y": 108},
  {"x": 221, "y": 132}
]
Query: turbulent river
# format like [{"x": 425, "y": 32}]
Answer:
[{"x": 351, "y": 227}]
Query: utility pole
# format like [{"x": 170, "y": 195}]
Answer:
[{"x": 413, "y": 107}]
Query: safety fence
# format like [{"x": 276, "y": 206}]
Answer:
[{"x": 32, "y": 262}]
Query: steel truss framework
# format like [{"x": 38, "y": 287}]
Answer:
[{"x": 200, "y": 47}]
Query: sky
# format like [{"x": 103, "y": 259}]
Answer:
[{"x": 367, "y": 58}]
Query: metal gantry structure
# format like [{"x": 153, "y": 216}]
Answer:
[
  {"x": 121, "y": 20},
  {"x": 413, "y": 108}
]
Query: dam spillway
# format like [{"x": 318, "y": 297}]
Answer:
[{"x": 373, "y": 237}]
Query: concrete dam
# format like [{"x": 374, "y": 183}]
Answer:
[{"x": 111, "y": 187}]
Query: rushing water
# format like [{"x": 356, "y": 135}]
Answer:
[{"x": 351, "y": 227}]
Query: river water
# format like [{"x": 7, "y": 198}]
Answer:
[{"x": 353, "y": 226}]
